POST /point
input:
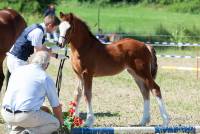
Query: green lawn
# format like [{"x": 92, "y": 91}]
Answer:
[
  {"x": 189, "y": 51},
  {"x": 117, "y": 100},
  {"x": 131, "y": 19},
  {"x": 135, "y": 20}
]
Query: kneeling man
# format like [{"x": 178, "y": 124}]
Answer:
[{"x": 27, "y": 88}]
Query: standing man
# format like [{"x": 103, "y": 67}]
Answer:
[
  {"x": 27, "y": 88},
  {"x": 51, "y": 10},
  {"x": 31, "y": 39}
]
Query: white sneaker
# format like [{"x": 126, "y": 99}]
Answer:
[
  {"x": 89, "y": 121},
  {"x": 26, "y": 131},
  {"x": 8, "y": 128}
]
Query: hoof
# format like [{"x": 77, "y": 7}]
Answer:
[
  {"x": 89, "y": 122},
  {"x": 166, "y": 122},
  {"x": 144, "y": 121}
]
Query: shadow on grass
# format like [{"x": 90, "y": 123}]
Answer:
[{"x": 106, "y": 114}]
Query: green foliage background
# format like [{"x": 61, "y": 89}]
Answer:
[
  {"x": 31, "y": 6},
  {"x": 145, "y": 20}
]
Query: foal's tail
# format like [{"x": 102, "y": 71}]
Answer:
[{"x": 154, "y": 65}]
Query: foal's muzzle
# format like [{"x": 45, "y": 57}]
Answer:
[{"x": 61, "y": 42}]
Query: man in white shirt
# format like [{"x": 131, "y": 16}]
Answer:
[
  {"x": 27, "y": 88},
  {"x": 30, "y": 40}
]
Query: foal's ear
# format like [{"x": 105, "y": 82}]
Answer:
[
  {"x": 71, "y": 16},
  {"x": 61, "y": 15}
]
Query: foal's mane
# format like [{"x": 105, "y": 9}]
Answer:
[{"x": 86, "y": 27}]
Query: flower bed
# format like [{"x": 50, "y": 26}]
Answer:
[{"x": 70, "y": 120}]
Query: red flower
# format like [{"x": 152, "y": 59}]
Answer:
[
  {"x": 77, "y": 121},
  {"x": 72, "y": 103},
  {"x": 70, "y": 120},
  {"x": 71, "y": 111}
]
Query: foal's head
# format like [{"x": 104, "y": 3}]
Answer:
[
  {"x": 65, "y": 28},
  {"x": 71, "y": 25}
]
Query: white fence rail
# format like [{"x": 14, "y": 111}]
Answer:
[{"x": 137, "y": 130}]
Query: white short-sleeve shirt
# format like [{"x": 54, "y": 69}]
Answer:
[{"x": 36, "y": 36}]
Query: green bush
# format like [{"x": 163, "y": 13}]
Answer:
[
  {"x": 162, "y": 34},
  {"x": 28, "y": 6},
  {"x": 110, "y": 1},
  {"x": 192, "y": 34},
  {"x": 178, "y": 34},
  {"x": 190, "y": 7}
]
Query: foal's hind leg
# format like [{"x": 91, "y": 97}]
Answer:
[
  {"x": 155, "y": 89},
  {"x": 143, "y": 72},
  {"x": 145, "y": 94}
]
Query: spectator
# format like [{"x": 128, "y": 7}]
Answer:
[
  {"x": 51, "y": 10},
  {"x": 102, "y": 37}
]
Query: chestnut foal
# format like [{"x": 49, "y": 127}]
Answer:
[{"x": 90, "y": 58}]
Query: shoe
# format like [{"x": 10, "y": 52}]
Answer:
[
  {"x": 8, "y": 128},
  {"x": 56, "y": 132},
  {"x": 89, "y": 121},
  {"x": 26, "y": 131}
]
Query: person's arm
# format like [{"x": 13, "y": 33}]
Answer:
[
  {"x": 53, "y": 98},
  {"x": 58, "y": 113},
  {"x": 42, "y": 48},
  {"x": 49, "y": 50},
  {"x": 36, "y": 37}
]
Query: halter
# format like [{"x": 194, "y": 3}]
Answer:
[
  {"x": 61, "y": 44},
  {"x": 67, "y": 40},
  {"x": 70, "y": 33}
]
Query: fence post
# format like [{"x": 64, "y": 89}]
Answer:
[
  {"x": 197, "y": 60},
  {"x": 98, "y": 19}
]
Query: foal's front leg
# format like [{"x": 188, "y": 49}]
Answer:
[
  {"x": 88, "y": 98},
  {"x": 78, "y": 95},
  {"x": 1, "y": 74}
]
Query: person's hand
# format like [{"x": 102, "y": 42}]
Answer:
[
  {"x": 61, "y": 105},
  {"x": 61, "y": 57},
  {"x": 55, "y": 48},
  {"x": 62, "y": 122}
]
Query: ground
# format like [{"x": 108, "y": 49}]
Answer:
[{"x": 117, "y": 100}]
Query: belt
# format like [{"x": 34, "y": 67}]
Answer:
[{"x": 15, "y": 112}]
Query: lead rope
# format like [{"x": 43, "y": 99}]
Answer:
[{"x": 59, "y": 74}]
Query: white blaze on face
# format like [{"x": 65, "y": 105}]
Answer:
[{"x": 63, "y": 27}]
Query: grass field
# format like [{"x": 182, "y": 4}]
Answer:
[
  {"x": 131, "y": 19},
  {"x": 123, "y": 18},
  {"x": 117, "y": 100},
  {"x": 139, "y": 21}
]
